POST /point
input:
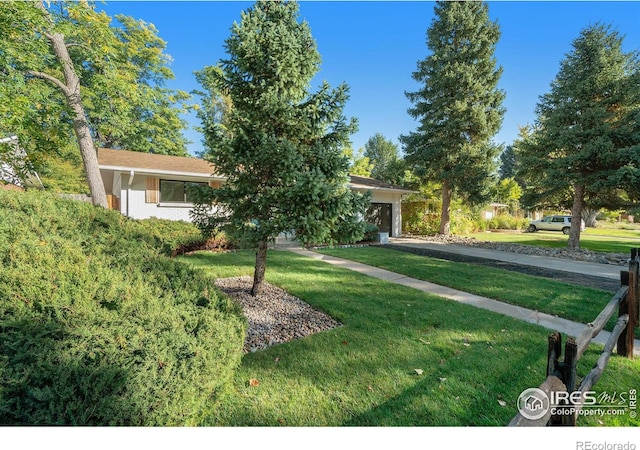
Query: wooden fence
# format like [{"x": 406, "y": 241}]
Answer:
[{"x": 562, "y": 375}]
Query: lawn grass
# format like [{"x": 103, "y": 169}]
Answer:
[
  {"x": 609, "y": 240},
  {"x": 580, "y": 304},
  {"x": 362, "y": 373}
]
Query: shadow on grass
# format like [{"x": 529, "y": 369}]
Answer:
[{"x": 363, "y": 374}]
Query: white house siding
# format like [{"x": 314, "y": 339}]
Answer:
[
  {"x": 395, "y": 200},
  {"x": 136, "y": 207}
]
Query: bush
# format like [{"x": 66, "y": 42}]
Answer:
[
  {"x": 97, "y": 327},
  {"x": 506, "y": 222}
]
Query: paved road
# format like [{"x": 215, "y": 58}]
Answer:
[{"x": 599, "y": 276}]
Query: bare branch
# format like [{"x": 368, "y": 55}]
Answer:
[{"x": 51, "y": 79}]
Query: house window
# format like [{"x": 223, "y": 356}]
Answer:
[{"x": 177, "y": 191}]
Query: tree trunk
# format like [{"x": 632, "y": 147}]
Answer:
[
  {"x": 445, "y": 217},
  {"x": 71, "y": 90},
  {"x": 576, "y": 217},
  {"x": 261, "y": 264},
  {"x": 589, "y": 216}
]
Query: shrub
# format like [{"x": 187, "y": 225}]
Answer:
[{"x": 97, "y": 327}]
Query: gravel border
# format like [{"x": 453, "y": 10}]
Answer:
[{"x": 274, "y": 316}]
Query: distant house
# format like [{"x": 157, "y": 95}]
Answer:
[
  {"x": 15, "y": 170},
  {"x": 144, "y": 185}
]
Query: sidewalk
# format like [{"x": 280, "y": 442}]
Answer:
[
  {"x": 553, "y": 323},
  {"x": 562, "y": 264}
]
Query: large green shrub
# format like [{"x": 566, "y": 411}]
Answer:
[{"x": 97, "y": 327}]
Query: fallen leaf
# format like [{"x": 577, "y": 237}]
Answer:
[
  {"x": 253, "y": 382},
  {"x": 502, "y": 403},
  {"x": 442, "y": 379},
  {"x": 345, "y": 343},
  {"x": 276, "y": 360},
  {"x": 466, "y": 344},
  {"x": 418, "y": 371},
  {"x": 370, "y": 388},
  {"x": 282, "y": 421}
]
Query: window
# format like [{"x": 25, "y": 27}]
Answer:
[
  {"x": 558, "y": 219},
  {"x": 177, "y": 191}
]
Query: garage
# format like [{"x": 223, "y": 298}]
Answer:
[{"x": 381, "y": 215}]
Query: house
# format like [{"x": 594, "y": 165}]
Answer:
[
  {"x": 15, "y": 170},
  {"x": 144, "y": 185}
]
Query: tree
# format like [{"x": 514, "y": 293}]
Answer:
[
  {"x": 507, "y": 163},
  {"x": 388, "y": 166},
  {"x": 359, "y": 164},
  {"x": 33, "y": 25},
  {"x": 115, "y": 72},
  {"x": 280, "y": 146},
  {"x": 458, "y": 106},
  {"x": 586, "y": 134}
]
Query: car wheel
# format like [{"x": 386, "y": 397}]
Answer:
[
  {"x": 532, "y": 229},
  {"x": 566, "y": 230}
]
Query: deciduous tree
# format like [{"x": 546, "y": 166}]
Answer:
[{"x": 459, "y": 106}]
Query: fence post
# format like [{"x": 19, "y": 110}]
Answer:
[
  {"x": 629, "y": 305},
  {"x": 553, "y": 353},
  {"x": 570, "y": 376}
]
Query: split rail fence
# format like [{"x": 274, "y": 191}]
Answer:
[{"x": 562, "y": 375}]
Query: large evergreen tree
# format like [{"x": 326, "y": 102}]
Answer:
[
  {"x": 280, "y": 146},
  {"x": 586, "y": 134},
  {"x": 459, "y": 106}
]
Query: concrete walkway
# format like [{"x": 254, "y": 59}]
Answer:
[
  {"x": 598, "y": 270},
  {"x": 548, "y": 321}
]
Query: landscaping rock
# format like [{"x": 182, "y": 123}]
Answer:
[
  {"x": 274, "y": 316},
  {"x": 576, "y": 255}
]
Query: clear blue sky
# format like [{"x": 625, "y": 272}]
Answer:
[{"x": 374, "y": 47}]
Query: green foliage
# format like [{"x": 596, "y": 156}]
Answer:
[
  {"x": 420, "y": 218},
  {"x": 506, "y": 222},
  {"x": 97, "y": 327},
  {"x": 359, "y": 164},
  {"x": 123, "y": 68},
  {"x": 387, "y": 164},
  {"x": 169, "y": 235},
  {"x": 459, "y": 107},
  {"x": 586, "y": 131},
  {"x": 279, "y": 145}
]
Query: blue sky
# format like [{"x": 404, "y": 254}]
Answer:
[{"x": 374, "y": 47}]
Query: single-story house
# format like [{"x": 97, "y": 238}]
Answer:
[{"x": 144, "y": 185}]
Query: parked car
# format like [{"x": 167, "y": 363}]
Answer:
[{"x": 553, "y": 223}]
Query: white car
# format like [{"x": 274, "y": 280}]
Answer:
[{"x": 553, "y": 223}]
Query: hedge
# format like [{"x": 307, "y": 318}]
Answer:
[{"x": 98, "y": 327}]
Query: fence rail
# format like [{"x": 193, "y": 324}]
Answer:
[{"x": 562, "y": 376}]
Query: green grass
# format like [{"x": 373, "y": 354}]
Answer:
[
  {"x": 609, "y": 240},
  {"x": 362, "y": 373},
  {"x": 580, "y": 304}
]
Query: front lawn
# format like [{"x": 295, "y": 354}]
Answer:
[
  {"x": 471, "y": 361},
  {"x": 597, "y": 240},
  {"x": 580, "y": 304}
]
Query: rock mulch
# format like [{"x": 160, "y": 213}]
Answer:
[
  {"x": 274, "y": 316},
  {"x": 576, "y": 255}
]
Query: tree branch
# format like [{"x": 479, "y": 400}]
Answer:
[
  {"x": 51, "y": 79},
  {"x": 77, "y": 44}
]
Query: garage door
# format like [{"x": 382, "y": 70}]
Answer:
[{"x": 379, "y": 214}]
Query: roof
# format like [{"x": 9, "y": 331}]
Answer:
[
  {"x": 360, "y": 182},
  {"x": 125, "y": 160}
]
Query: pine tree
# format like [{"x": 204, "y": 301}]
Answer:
[
  {"x": 280, "y": 146},
  {"x": 586, "y": 137},
  {"x": 459, "y": 105}
]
